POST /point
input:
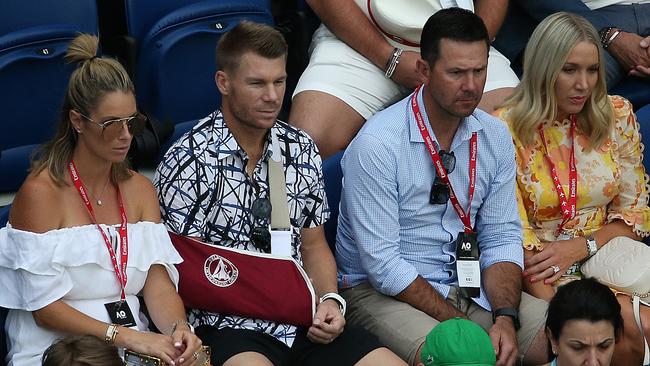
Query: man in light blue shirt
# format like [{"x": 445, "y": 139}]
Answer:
[{"x": 396, "y": 241}]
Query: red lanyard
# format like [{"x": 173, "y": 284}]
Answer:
[
  {"x": 120, "y": 273},
  {"x": 437, "y": 162},
  {"x": 568, "y": 207}
]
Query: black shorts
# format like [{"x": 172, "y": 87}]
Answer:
[{"x": 347, "y": 349}]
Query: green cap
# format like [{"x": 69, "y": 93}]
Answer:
[{"x": 458, "y": 341}]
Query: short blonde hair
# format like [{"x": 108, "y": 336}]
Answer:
[
  {"x": 534, "y": 100},
  {"x": 93, "y": 78}
]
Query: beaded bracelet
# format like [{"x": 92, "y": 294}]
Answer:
[{"x": 607, "y": 36}]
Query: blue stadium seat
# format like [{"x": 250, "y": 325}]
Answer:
[
  {"x": 34, "y": 36},
  {"x": 643, "y": 117},
  {"x": 333, "y": 177},
  {"x": 4, "y": 216},
  {"x": 637, "y": 91},
  {"x": 179, "y": 130},
  {"x": 176, "y": 40}
]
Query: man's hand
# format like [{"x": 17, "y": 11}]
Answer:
[
  {"x": 639, "y": 70},
  {"x": 406, "y": 73},
  {"x": 628, "y": 51},
  {"x": 328, "y": 323},
  {"x": 504, "y": 340}
]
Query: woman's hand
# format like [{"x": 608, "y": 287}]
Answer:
[
  {"x": 187, "y": 343},
  {"x": 561, "y": 253},
  {"x": 152, "y": 344}
]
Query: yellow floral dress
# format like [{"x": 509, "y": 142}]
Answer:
[{"x": 612, "y": 183}]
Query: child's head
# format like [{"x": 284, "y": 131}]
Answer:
[{"x": 83, "y": 350}]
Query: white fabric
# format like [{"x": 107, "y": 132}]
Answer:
[
  {"x": 597, "y": 4},
  {"x": 338, "y": 70},
  {"x": 622, "y": 264},
  {"x": 73, "y": 265},
  {"x": 406, "y": 19}
]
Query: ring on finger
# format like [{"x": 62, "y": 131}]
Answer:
[
  {"x": 195, "y": 355},
  {"x": 555, "y": 268}
]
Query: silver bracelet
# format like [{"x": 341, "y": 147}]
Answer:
[{"x": 393, "y": 62}]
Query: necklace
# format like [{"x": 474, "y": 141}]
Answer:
[{"x": 99, "y": 199}]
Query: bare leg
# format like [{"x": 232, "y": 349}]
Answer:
[
  {"x": 493, "y": 98},
  {"x": 328, "y": 120},
  {"x": 248, "y": 359},
  {"x": 629, "y": 348},
  {"x": 381, "y": 357}
]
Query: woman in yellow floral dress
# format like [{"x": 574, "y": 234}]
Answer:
[{"x": 561, "y": 117}]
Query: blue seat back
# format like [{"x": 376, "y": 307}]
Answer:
[
  {"x": 176, "y": 58},
  {"x": 4, "y": 217},
  {"x": 643, "y": 117},
  {"x": 333, "y": 177},
  {"x": 637, "y": 91},
  {"x": 34, "y": 36}
]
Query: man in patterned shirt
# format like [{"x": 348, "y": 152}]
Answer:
[{"x": 208, "y": 182}]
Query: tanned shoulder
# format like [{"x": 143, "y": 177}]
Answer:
[{"x": 36, "y": 201}]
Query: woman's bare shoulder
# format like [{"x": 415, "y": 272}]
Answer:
[{"x": 37, "y": 199}]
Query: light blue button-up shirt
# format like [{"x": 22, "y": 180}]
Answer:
[{"x": 388, "y": 232}]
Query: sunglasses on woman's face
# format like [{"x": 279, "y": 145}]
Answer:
[
  {"x": 112, "y": 128},
  {"x": 260, "y": 235},
  {"x": 439, "y": 190}
]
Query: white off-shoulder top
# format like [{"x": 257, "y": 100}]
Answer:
[{"x": 72, "y": 265}]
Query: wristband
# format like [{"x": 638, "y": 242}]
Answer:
[
  {"x": 336, "y": 297},
  {"x": 111, "y": 333}
]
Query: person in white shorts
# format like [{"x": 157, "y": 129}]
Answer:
[{"x": 349, "y": 75}]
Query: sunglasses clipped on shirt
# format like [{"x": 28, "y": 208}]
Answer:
[
  {"x": 439, "y": 190},
  {"x": 112, "y": 128},
  {"x": 260, "y": 235}
]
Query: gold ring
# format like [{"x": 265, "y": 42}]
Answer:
[{"x": 195, "y": 355}]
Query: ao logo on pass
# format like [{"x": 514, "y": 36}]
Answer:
[{"x": 466, "y": 246}]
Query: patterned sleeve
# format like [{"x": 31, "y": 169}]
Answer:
[
  {"x": 182, "y": 184},
  {"x": 631, "y": 203},
  {"x": 316, "y": 210},
  {"x": 530, "y": 239}
]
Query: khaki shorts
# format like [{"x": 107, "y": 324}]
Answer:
[{"x": 403, "y": 328}]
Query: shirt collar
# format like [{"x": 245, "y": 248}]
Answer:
[
  {"x": 468, "y": 125},
  {"x": 225, "y": 144}
]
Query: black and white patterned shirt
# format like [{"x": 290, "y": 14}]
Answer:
[{"x": 205, "y": 192}]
